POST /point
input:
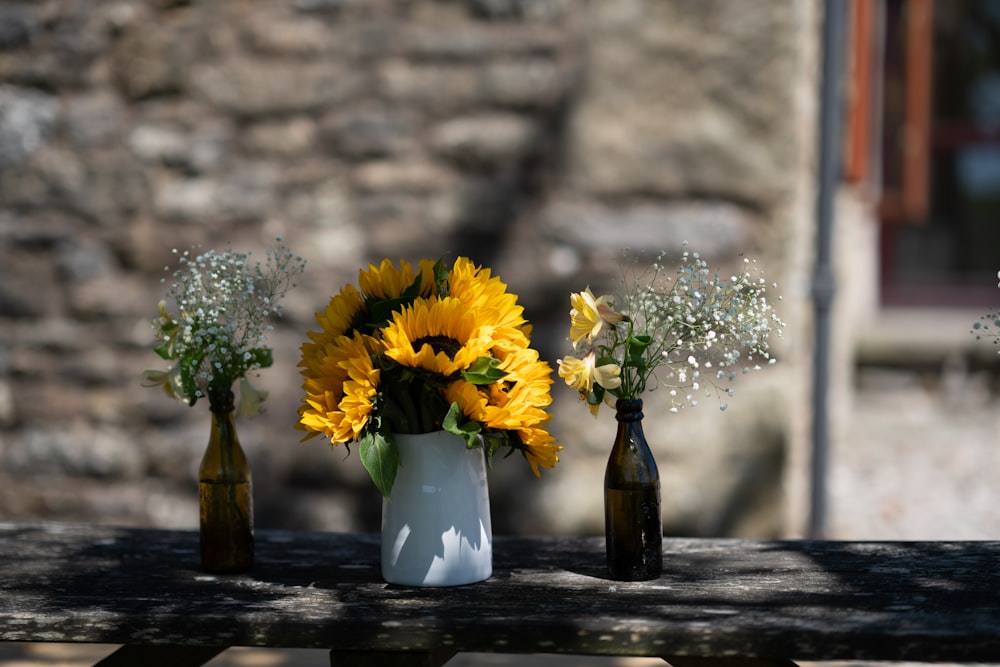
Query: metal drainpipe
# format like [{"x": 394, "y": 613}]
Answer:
[{"x": 824, "y": 280}]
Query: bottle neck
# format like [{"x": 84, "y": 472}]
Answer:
[
  {"x": 224, "y": 460},
  {"x": 223, "y": 422},
  {"x": 221, "y": 402},
  {"x": 628, "y": 410}
]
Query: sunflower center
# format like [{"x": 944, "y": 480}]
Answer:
[{"x": 449, "y": 346}]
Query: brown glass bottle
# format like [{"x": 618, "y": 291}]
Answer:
[
  {"x": 225, "y": 489},
  {"x": 632, "y": 523}
]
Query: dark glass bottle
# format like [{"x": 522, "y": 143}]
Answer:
[
  {"x": 632, "y": 524},
  {"x": 225, "y": 489}
]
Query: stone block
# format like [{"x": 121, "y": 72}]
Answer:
[
  {"x": 526, "y": 83},
  {"x": 27, "y": 119},
  {"x": 688, "y": 98},
  {"x": 479, "y": 42},
  {"x": 284, "y": 138},
  {"x": 242, "y": 196},
  {"x": 487, "y": 141},
  {"x": 94, "y": 119},
  {"x": 433, "y": 87},
  {"x": 151, "y": 59},
  {"x": 269, "y": 35},
  {"x": 195, "y": 150},
  {"x": 370, "y": 131},
  {"x": 247, "y": 88},
  {"x": 714, "y": 228},
  {"x": 389, "y": 177}
]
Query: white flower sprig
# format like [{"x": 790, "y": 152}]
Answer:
[
  {"x": 699, "y": 330},
  {"x": 224, "y": 303},
  {"x": 988, "y": 325}
]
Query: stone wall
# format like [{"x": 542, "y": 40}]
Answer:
[{"x": 536, "y": 136}]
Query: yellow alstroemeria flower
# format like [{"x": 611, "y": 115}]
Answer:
[
  {"x": 581, "y": 374},
  {"x": 608, "y": 376},
  {"x": 589, "y": 314},
  {"x": 169, "y": 380}
]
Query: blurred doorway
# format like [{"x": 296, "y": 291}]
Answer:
[{"x": 924, "y": 132}]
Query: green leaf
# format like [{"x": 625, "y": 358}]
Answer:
[
  {"x": 483, "y": 371},
  {"x": 456, "y": 423},
  {"x": 636, "y": 346},
  {"x": 415, "y": 288},
  {"x": 262, "y": 356},
  {"x": 168, "y": 334},
  {"x": 382, "y": 310},
  {"x": 189, "y": 366},
  {"x": 380, "y": 458},
  {"x": 493, "y": 441},
  {"x": 441, "y": 278},
  {"x": 165, "y": 350}
]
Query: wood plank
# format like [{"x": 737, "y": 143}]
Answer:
[
  {"x": 727, "y": 662},
  {"x": 717, "y": 598},
  {"x": 375, "y": 658},
  {"x": 161, "y": 656}
]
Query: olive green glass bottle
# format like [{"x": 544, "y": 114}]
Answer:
[
  {"x": 633, "y": 527},
  {"x": 226, "y": 494}
]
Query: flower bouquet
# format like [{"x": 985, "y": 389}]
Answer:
[
  {"x": 417, "y": 350},
  {"x": 694, "y": 327},
  {"x": 218, "y": 337},
  {"x": 430, "y": 370},
  {"x": 701, "y": 329}
]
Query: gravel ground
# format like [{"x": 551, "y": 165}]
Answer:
[{"x": 916, "y": 459}]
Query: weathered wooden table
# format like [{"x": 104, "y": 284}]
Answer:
[{"x": 719, "y": 601}]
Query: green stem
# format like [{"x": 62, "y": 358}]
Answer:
[
  {"x": 400, "y": 410},
  {"x": 430, "y": 409}
]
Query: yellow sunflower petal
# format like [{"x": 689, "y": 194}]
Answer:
[
  {"x": 470, "y": 400},
  {"x": 339, "y": 388},
  {"x": 488, "y": 296},
  {"x": 385, "y": 281},
  {"x": 539, "y": 449},
  {"x": 438, "y": 335},
  {"x": 335, "y": 320}
]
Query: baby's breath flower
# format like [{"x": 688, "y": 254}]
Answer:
[
  {"x": 988, "y": 326},
  {"x": 223, "y": 302},
  {"x": 667, "y": 329}
]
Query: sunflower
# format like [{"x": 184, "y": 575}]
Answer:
[
  {"x": 341, "y": 314},
  {"x": 340, "y": 388},
  {"x": 488, "y": 296},
  {"x": 516, "y": 404},
  {"x": 540, "y": 448},
  {"x": 387, "y": 282},
  {"x": 338, "y": 319},
  {"x": 525, "y": 428},
  {"x": 524, "y": 392},
  {"x": 438, "y": 335}
]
